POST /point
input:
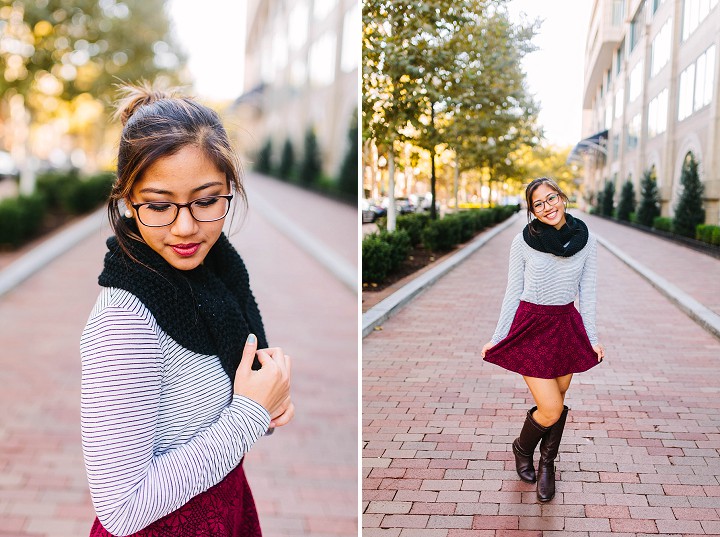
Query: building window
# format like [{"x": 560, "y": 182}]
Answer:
[
  {"x": 633, "y": 132},
  {"x": 696, "y": 84},
  {"x": 322, "y": 8},
  {"x": 619, "y": 57},
  {"x": 694, "y": 13},
  {"x": 350, "y": 42},
  {"x": 298, "y": 27},
  {"x": 636, "y": 26},
  {"x": 619, "y": 102},
  {"x": 608, "y": 116},
  {"x": 657, "y": 114},
  {"x": 615, "y": 146},
  {"x": 636, "y": 78},
  {"x": 656, "y": 4},
  {"x": 618, "y": 12},
  {"x": 322, "y": 60},
  {"x": 660, "y": 48}
]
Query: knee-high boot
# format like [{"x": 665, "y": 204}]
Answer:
[
  {"x": 525, "y": 444},
  {"x": 549, "y": 446}
]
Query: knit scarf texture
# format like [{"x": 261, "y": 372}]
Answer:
[
  {"x": 563, "y": 242},
  {"x": 209, "y": 310}
]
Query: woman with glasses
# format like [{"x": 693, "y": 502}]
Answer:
[
  {"x": 178, "y": 381},
  {"x": 540, "y": 334}
]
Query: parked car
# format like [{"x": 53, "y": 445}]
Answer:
[
  {"x": 424, "y": 203},
  {"x": 402, "y": 205},
  {"x": 371, "y": 211},
  {"x": 8, "y": 169}
]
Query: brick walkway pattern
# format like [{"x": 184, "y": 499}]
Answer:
[
  {"x": 641, "y": 450},
  {"x": 304, "y": 477}
]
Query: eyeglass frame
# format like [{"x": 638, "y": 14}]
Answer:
[
  {"x": 179, "y": 206},
  {"x": 542, "y": 207}
]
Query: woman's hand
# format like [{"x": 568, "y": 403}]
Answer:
[
  {"x": 269, "y": 386},
  {"x": 489, "y": 345},
  {"x": 600, "y": 350}
]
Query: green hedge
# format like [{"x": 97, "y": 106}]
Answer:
[
  {"x": 20, "y": 218},
  {"x": 708, "y": 233},
  {"x": 662, "y": 223},
  {"x": 383, "y": 253}
]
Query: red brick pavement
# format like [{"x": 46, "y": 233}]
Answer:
[
  {"x": 693, "y": 272},
  {"x": 641, "y": 449},
  {"x": 304, "y": 477}
]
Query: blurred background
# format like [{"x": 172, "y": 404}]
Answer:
[{"x": 284, "y": 78}]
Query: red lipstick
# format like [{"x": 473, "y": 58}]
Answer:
[{"x": 186, "y": 250}]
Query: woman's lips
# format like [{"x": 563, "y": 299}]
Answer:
[
  {"x": 551, "y": 215},
  {"x": 186, "y": 250}
]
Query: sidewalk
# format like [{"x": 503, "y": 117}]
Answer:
[
  {"x": 304, "y": 477},
  {"x": 641, "y": 448}
]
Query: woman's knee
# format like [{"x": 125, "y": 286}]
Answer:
[{"x": 549, "y": 413}]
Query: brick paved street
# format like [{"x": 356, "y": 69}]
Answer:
[
  {"x": 641, "y": 451},
  {"x": 304, "y": 477}
]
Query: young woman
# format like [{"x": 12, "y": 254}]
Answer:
[
  {"x": 171, "y": 401},
  {"x": 540, "y": 334}
]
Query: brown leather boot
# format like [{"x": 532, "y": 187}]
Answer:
[
  {"x": 524, "y": 446},
  {"x": 549, "y": 446}
]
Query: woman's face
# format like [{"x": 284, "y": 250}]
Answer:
[
  {"x": 186, "y": 176},
  {"x": 553, "y": 215}
]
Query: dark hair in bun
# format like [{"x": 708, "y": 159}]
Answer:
[{"x": 158, "y": 123}]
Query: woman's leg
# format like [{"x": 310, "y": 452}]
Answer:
[{"x": 549, "y": 398}]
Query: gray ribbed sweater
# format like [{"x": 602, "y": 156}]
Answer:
[{"x": 548, "y": 279}]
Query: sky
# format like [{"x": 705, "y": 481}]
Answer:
[
  {"x": 212, "y": 32},
  {"x": 555, "y": 71},
  {"x": 213, "y": 37}
]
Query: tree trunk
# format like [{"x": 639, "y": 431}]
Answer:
[
  {"x": 433, "y": 211},
  {"x": 391, "y": 189},
  {"x": 457, "y": 179},
  {"x": 20, "y": 119}
]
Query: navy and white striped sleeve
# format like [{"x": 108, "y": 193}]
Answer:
[
  {"x": 587, "y": 291},
  {"x": 131, "y": 486},
  {"x": 514, "y": 290}
]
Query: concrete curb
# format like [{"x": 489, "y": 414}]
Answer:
[
  {"x": 705, "y": 317},
  {"x": 338, "y": 267},
  {"x": 39, "y": 257},
  {"x": 388, "y": 307}
]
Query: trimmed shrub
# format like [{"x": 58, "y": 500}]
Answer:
[
  {"x": 20, "y": 218},
  {"x": 707, "y": 232},
  {"x": 263, "y": 164},
  {"x": 349, "y": 178},
  {"x": 311, "y": 166},
  {"x": 400, "y": 247},
  {"x": 715, "y": 238},
  {"x": 689, "y": 211},
  {"x": 662, "y": 223},
  {"x": 649, "y": 206},
  {"x": 53, "y": 186},
  {"x": 376, "y": 258},
  {"x": 608, "y": 199},
  {"x": 287, "y": 161},
  {"x": 441, "y": 235},
  {"x": 413, "y": 224},
  {"x": 84, "y": 195},
  {"x": 627, "y": 201}
]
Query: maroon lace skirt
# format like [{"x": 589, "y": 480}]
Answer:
[
  {"x": 224, "y": 510},
  {"x": 545, "y": 342}
]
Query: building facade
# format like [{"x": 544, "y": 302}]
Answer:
[
  {"x": 301, "y": 72},
  {"x": 651, "y": 96}
]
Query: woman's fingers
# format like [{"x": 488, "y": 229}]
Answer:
[{"x": 285, "y": 417}]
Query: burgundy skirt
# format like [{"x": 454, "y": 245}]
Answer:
[
  {"x": 224, "y": 510},
  {"x": 545, "y": 342}
]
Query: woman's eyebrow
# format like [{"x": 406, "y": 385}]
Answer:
[{"x": 164, "y": 192}]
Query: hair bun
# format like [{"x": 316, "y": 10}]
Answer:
[{"x": 133, "y": 96}]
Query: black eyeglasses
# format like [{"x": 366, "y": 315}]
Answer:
[
  {"x": 551, "y": 200},
  {"x": 164, "y": 213}
]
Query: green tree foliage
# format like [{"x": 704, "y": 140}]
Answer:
[
  {"x": 442, "y": 71},
  {"x": 311, "y": 166},
  {"x": 263, "y": 162},
  {"x": 608, "y": 199},
  {"x": 287, "y": 161},
  {"x": 58, "y": 50},
  {"x": 627, "y": 201},
  {"x": 649, "y": 206},
  {"x": 689, "y": 211},
  {"x": 349, "y": 179}
]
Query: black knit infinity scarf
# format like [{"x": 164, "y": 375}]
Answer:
[
  {"x": 208, "y": 310},
  {"x": 563, "y": 242}
]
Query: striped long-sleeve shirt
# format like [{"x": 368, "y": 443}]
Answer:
[
  {"x": 160, "y": 424},
  {"x": 547, "y": 279}
]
